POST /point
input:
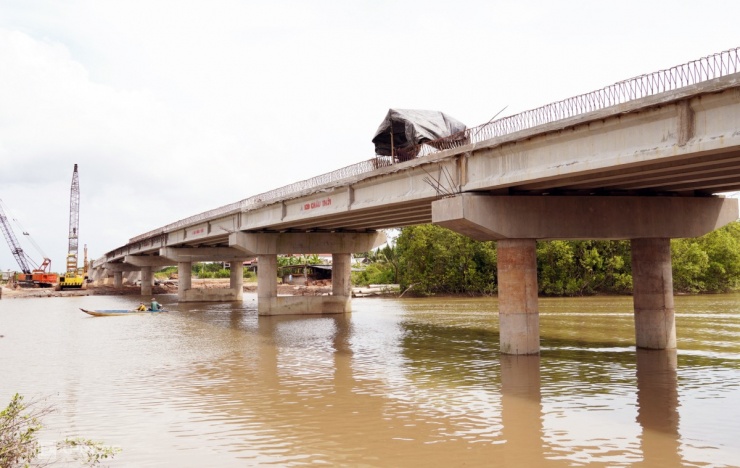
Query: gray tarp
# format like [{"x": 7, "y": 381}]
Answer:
[{"x": 411, "y": 128}]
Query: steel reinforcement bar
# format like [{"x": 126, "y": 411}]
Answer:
[{"x": 694, "y": 72}]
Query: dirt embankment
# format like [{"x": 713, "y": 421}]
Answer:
[{"x": 165, "y": 287}]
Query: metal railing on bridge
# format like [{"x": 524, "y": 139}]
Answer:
[{"x": 694, "y": 72}]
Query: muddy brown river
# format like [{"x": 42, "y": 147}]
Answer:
[{"x": 399, "y": 382}]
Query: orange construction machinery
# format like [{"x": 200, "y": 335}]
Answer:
[{"x": 36, "y": 277}]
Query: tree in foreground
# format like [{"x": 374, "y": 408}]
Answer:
[{"x": 19, "y": 424}]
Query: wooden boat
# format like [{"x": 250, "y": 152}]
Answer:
[{"x": 111, "y": 312}]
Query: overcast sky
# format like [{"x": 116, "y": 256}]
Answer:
[{"x": 172, "y": 108}]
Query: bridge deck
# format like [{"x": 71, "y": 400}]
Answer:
[{"x": 675, "y": 140}]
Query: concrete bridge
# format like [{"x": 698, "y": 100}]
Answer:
[{"x": 641, "y": 160}]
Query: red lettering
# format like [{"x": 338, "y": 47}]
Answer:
[{"x": 316, "y": 204}]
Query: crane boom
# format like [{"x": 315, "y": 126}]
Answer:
[
  {"x": 74, "y": 222},
  {"x": 36, "y": 277},
  {"x": 73, "y": 278},
  {"x": 15, "y": 246}
]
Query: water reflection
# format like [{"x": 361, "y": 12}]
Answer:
[
  {"x": 657, "y": 407},
  {"x": 521, "y": 409}
]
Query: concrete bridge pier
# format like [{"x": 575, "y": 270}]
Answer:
[
  {"x": 118, "y": 279},
  {"x": 269, "y": 303},
  {"x": 516, "y": 222},
  {"x": 652, "y": 279},
  {"x": 236, "y": 279},
  {"x": 184, "y": 277},
  {"x": 519, "y": 319},
  {"x": 341, "y": 271},
  {"x": 97, "y": 275},
  {"x": 118, "y": 270},
  {"x": 267, "y": 246},
  {"x": 147, "y": 281},
  {"x": 147, "y": 264},
  {"x": 184, "y": 258}
]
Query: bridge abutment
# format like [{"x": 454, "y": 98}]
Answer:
[{"x": 516, "y": 222}]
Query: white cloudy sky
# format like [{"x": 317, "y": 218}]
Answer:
[{"x": 174, "y": 107}]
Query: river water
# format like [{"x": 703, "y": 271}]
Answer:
[{"x": 399, "y": 382}]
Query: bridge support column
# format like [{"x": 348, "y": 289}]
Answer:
[
  {"x": 236, "y": 279},
  {"x": 147, "y": 280},
  {"x": 519, "y": 322},
  {"x": 184, "y": 278},
  {"x": 341, "y": 282},
  {"x": 266, "y": 283},
  {"x": 118, "y": 279},
  {"x": 652, "y": 278}
]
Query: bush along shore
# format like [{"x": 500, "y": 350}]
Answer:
[{"x": 428, "y": 260}]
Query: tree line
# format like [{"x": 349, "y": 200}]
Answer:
[{"x": 435, "y": 260}]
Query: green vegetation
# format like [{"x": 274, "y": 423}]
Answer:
[
  {"x": 19, "y": 424},
  {"x": 438, "y": 261},
  {"x": 383, "y": 267},
  {"x": 210, "y": 270},
  {"x": 287, "y": 260},
  {"x": 708, "y": 264},
  {"x": 203, "y": 270},
  {"x": 579, "y": 268}
]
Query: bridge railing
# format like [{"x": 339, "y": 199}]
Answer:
[
  {"x": 694, "y": 72},
  {"x": 698, "y": 71},
  {"x": 273, "y": 195}
]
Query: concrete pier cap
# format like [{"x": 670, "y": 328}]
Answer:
[
  {"x": 306, "y": 242},
  {"x": 485, "y": 218}
]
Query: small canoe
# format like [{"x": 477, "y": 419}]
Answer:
[{"x": 110, "y": 312}]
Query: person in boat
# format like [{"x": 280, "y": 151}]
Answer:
[
  {"x": 155, "y": 306},
  {"x": 142, "y": 307}
]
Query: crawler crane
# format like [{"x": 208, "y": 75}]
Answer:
[
  {"x": 74, "y": 278},
  {"x": 38, "y": 277}
]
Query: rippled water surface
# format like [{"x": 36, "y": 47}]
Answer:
[{"x": 410, "y": 382}]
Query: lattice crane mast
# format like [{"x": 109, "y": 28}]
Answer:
[{"x": 73, "y": 278}]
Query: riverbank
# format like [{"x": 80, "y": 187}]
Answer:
[{"x": 166, "y": 287}]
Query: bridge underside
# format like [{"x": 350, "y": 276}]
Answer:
[{"x": 266, "y": 247}]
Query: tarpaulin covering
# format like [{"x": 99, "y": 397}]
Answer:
[{"x": 410, "y": 128}]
